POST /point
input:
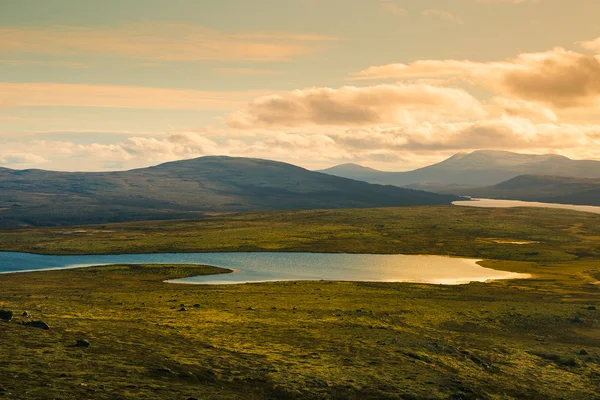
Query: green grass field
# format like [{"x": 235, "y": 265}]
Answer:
[
  {"x": 312, "y": 340},
  {"x": 447, "y": 230}
]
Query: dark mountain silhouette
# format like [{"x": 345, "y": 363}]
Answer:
[
  {"x": 479, "y": 168},
  {"x": 186, "y": 189}
]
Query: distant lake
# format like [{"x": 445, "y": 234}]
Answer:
[
  {"x": 491, "y": 203},
  {"x": 265, "y": 267}
]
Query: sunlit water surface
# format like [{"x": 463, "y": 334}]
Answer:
[
  {"x": 265, "y": 267},
  {"x": 491, "y": 203}
]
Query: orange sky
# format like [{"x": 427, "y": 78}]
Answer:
[{"x": 389, "y": 84}]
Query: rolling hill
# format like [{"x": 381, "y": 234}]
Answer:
[
  {"x": 547, "y": 189},
  {"x": 479, "y": 168},
  {"x": 186, "y": 189}
]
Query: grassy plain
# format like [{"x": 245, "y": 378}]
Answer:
[
  {"x": 315, "y": 340},
  {"x": 563, "y": 235}
]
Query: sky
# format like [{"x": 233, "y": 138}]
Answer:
[{"x": 390, "y": 84}]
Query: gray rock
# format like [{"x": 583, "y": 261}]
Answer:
[
  {"x": 6, "y": 315},
  {"x": 37, "y": 324},
  {"x": 83, "y": 343},
  {"x": 183, "y": 309}
]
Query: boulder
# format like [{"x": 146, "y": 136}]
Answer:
[
  {"x": 83, "y": 343},
  {"x": 6, "y": 315},
  {"x": 37, "y": 324}
]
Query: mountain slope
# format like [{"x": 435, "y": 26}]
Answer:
[
  {"x": 479, "y": 168},
  {"x": 186, "y": 189},
  {"x": 548, "y": 189}
]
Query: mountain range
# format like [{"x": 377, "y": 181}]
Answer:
[
  {"x": 186, "y": 189},
  {"x": 479, "y": 168},
  {"x": 546, "y": 189}
]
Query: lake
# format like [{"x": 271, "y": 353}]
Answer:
[
  {"x": 266, "y": 267},
  {"x": 492, "y": 203}
]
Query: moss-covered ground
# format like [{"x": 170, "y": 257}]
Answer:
[{"x": 518, "y": 339}]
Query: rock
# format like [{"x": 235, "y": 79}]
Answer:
[
  {"x": 37, "y": 324},
  {"x": 83, "y": 343},
  {"x": 592, "y": 308},
  {"x": 25, "y": 314},
  {"x": 577, "y": 320},
  {"x": 583, "y": 352},
  {"x": 196, "y": 305},
  {"x": 251, "y": 308},
  {"x": 183, "y": 309},
  {"x": 6, "y": 315},
  {"x": 163, "y": 370}
]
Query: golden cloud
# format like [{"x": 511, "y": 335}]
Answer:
[
  {"x": 74, "y": 95},
  {"x": 372, "y": 105},
  {"x": 161, "y": 42},
  {"x": 560, "y": 78}
]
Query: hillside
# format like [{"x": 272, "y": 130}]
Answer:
[
  {"x": 548, "y": 189},
  {"x": 185, "y": 189},
  {"x": 479, "y": 168}
]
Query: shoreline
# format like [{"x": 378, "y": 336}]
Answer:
[{"x": 493, "y": 273}]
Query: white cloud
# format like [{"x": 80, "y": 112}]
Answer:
[
  {"x": 404, "y": 146},
  {"x": 20, "y": 160}
]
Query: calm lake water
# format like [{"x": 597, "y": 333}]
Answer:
[
  {"x": 264, "y": 267},
  {"x": 491, "y": 203}
]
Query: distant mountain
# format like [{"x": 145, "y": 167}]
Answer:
[
  {"x": 479, "y": 168},
  {"x": 186, "y": 189},
  {"x": 548, "y": 189}
]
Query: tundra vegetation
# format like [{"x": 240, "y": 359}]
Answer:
[{"x": 537, "y": 338}]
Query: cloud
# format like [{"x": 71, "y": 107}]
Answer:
[
  {"x": 21, "y": 159},
  {"x": 593, "y": 45},
  {"x": 443, "y": 15},
  {"x": 559, "y": 78},
  {"x": 409, "y": 145},
  {"x": 521, "y": 108},
  {"x": 393, "y": 8},
  {"x": 160, "y": 42},
  {"x": 356, "y": 106},
  {"x": 67, "y": 64},
  {"x": 247, "y": 71},
  {"x": 508, "y": 1},
  {"x": 72, "y": 95}
]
